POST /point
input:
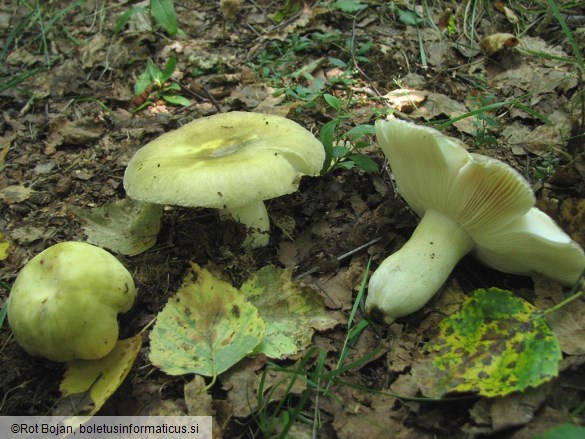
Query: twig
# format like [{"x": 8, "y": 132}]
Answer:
[{"x": 340, "y": 258}]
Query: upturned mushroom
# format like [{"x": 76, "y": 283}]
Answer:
[
  {"x": 230, "y": 161},
  {"x": 65, "y": 301},
  {"x": 467, "y": 203}
]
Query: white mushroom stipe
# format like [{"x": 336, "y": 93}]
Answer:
[
  {"x": 468, "y": 203},
  {"x": 255, "y": 216}
]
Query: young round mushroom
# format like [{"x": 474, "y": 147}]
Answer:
[
  {"x": 467, "y": 203},
  {"x": 65, "y": 301},
  {"x": 230, "y": 161}
]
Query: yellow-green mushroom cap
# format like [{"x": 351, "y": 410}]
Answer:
[
  {"x": 230, "y": 161},
  {"x": 65, "y": 301}
]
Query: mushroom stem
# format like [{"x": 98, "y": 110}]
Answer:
[
  {"x": 406, "y": 280},
  {"x": 255, "y": 217}
]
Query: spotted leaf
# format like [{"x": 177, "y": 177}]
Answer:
[
  {"x": 205, "y": 328},
  {"x": 495, "y": 345}
]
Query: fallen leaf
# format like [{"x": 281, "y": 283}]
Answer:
[
  {"x": 4, "y": 247},
  {"x": 242, "y": 384},
  {"x": 405, "y": 100},
  {"x": 497, "y": 344},
  {"x": 206, "y": 328},
  {"x": 567, "y": 322},
  {"x": 509, "y": 13},
  {"x": 126, "y": 226},
  {"x": 291, "y": 310},
  {"x": 100, "y": 378},
  {"x": 15, "y": 194}
]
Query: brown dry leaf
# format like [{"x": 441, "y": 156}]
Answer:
[
  {"x": 337, "y": 288},
  {"x": 509, "y": 13},
  {"x": 242, "y": 383},
  {"x": 5, "y": 143},
  {"x": 405, "y": 100},
  {"x": 93, "y": 51},
  {"x": 402, "y": 346},
  {"x": 376, "y": 419},
  {"x": 439, "y": 105},
  {"x": 15, "y": 194},
  {"x": 78, "y": 132},
  {"x": 198, "y": 401},
  {"x": 546, "y": 419},
  {"x": 539, "y": 140},
  {"x": 516, "y": 409},
  {"x": 497, "y": 42},
  {"x": 567, "y": 323},
  {"x": 572, "y": 217},
  {"x": 530, "y": 78}
]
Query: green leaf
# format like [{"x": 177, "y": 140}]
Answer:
[
  {"x": 364, "y": 162},
  {"x": 361, "y": 130},
  {"x": 173, "y": 86},
  {"x": 168, "y": 69},
  {"x": 333, "y": 102},
  {"x": 163, "y": 12},
  {"x": 177, "y": 100},
  {"x": 142, "y": 83},
  {"x": 406, "y": 16},
  {"x": 349, "y": 6},
  {"x": 337, "y": 63},
  {"x": 155, "y": 73},
  {"x": 563, "y": 431},
  {"x": 3, "y": 312},
  {"x": 495, "y": 345},
  {"x": 206, "y": 328},
  {"x": 340, "y": 151},
  {"x": 127, "y": 226},
  {"x": 125, "y": 17},
  {"x": 291, "y": 310},
  {"x": 327, "y": 134}
]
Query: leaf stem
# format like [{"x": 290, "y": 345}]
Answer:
[{"x": 561, "y": 304}]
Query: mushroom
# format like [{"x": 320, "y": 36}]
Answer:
[
  {"x": 230, "y": 161},
  {"x": 467, "y": 203},
  {"x": 65, "y": 301}
]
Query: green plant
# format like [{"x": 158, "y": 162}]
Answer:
[
  {"x": 161, "y": 12},
  {"x": 349, "y": 6},
  {"x": 275, "y": 419},
  {"x": 342, "y": 149},
  {"x": 409, "y": 17},
  {"x": 485, "y": 121},
  {"x": 545, "y": 165},
  {"x": 154, "y": 84},
  {"x": 276, "y": 62},
  {"x": 33, "y": 34}
]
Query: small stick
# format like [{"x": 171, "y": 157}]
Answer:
[{"x": 340, "y": 258}]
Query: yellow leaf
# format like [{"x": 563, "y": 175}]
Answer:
[
  {"x": 4, "y": 247},
  {"x": 101, "y": 377},
  {"x": 206, "y": 328}
]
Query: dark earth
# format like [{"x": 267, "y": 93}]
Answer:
[{"x": 70, "y": 122}]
